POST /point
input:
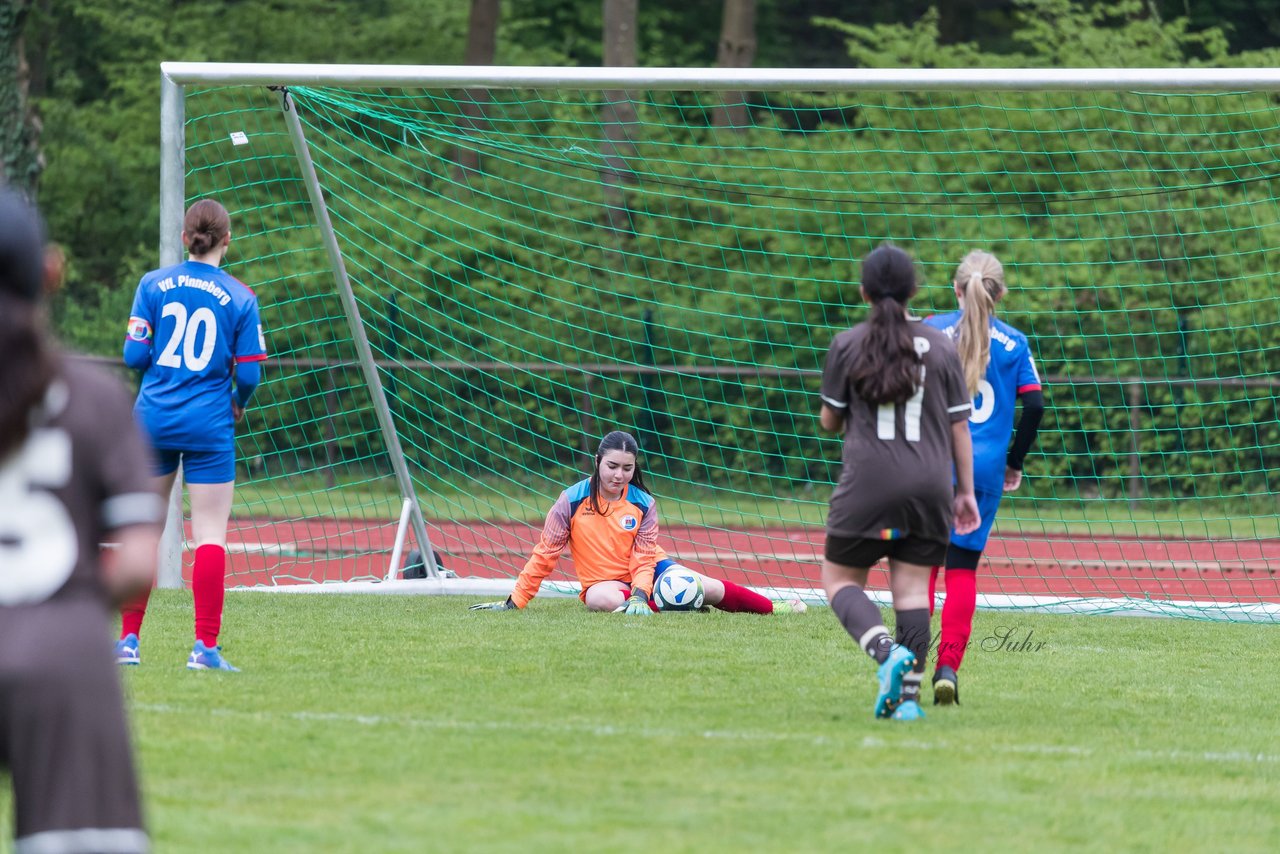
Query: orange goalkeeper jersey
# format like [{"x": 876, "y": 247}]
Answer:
[{"x": 619, "y": 544}]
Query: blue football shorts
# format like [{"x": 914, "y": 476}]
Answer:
[
  {"x": 988, "y": 504},
  {"x": 197, "y": 466}
]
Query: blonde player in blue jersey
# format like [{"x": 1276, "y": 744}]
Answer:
[
  {"x": 1000, "y": 373},
  {"x": 194, "y": 332}
]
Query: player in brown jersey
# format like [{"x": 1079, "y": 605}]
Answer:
[
  {"x": 896, "y": 390},
  {"x": 73, "y": 474}
]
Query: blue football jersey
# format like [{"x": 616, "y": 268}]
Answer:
[
  {"x": 1010, "y": 372},
  {"x": 198, "y": 321}
]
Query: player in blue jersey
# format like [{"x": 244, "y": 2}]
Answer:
[
  {"x": 194, "y": 332},
  {"x": 1000, "y": 373}
]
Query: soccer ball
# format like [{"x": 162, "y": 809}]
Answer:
[{"x": 678, "y": 590}]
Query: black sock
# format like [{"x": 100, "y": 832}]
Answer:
[
  {"x": 913, "y": 632},
  {"x": 861, "y": 619},
  {"x": 911, "y": 686}
]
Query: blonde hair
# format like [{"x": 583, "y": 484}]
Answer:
[{"x": 980, "y": 280}]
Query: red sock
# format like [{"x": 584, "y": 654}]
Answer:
[
  {"x": 933, "y": 588},
  {"x": 738, "y": 598},
  {"x": 208, "y": 588},
  {"x": 132, "y": 613},
  {"x": 957, "y": 616}
]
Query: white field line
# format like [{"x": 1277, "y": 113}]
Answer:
[
  {"x": 721, "y": 556},
  {"x": 1267, "y": 612},
  {"x": 869, "y": 742}
]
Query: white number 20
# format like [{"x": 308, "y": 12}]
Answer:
[
  {"x": 38, "y": 547},
  {"x": 185, "y": 334}
]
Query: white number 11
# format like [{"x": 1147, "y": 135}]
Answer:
[{"x": 887, "y": 416}]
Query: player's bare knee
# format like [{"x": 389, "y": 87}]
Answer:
[
  {"x": 605, "y": 597},
  {"x": 713, "y": 590}
]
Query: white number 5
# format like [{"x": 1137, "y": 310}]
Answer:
[
  {"x": 185, "y": 334},
  {"x": 38, "y": 547}
]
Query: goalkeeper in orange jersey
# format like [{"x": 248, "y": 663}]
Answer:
[{"x": 609, "y": 523}]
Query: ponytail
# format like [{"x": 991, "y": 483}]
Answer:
[
  {"x": 206, "y": 225},
  {"x": 28, "y": 362},
  {"x": 980, "y": 280},
  {"x": 886, "y": 368}
]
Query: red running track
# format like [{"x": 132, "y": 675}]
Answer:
[{"x": 266, "y": 552}]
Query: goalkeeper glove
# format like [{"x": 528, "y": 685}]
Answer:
[
  {"x": 637, "y": 604},
  {"x": 508, "y": 605}
]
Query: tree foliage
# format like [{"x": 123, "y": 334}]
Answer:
[
  {"x": 95, "y": 81},
  {"x": 20, "y": 161}
]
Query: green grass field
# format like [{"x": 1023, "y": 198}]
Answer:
[{"x": 411, "y": 724}]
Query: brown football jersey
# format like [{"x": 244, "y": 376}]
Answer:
[
  {"x": 83, "y": 471},
  {"x": 897, "y": 478}
]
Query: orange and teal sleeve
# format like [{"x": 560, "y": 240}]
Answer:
[
  {"x": 644, "y": 551},
  {"x": 546, "y": 554}
]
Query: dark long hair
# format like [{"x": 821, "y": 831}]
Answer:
[
  {"x": 615, "y": 441},
  {"x": 206, "y": 224},
  {"x": 28, "y": 355},
  {"x": 886, "y": 368}
]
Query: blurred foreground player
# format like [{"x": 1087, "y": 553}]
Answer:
[{"x": 73, "y": 474}]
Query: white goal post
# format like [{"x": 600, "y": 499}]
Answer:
[{"x": 178, "y": 78}]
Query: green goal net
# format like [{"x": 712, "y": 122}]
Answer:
[{"x": 534, "y": 267}]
